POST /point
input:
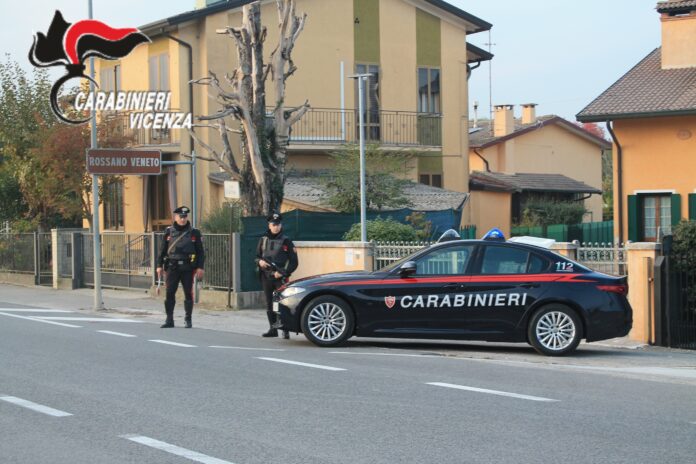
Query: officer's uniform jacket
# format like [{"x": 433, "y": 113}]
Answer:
[
  {"x": 182, "y": 248},
  {"x": 278, "y": 250}
]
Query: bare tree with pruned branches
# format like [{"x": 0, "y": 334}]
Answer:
[{"x": 242, "y": 97}]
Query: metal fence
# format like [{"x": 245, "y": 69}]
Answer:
[
  {"x": 603, "y": 257},
  {"x": 17, "y": 253},
  {"x": 675, "y": 285},
  {"x": 387, "y": 253}
]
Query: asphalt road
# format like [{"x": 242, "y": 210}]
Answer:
[{"x": 78, "y": 388}]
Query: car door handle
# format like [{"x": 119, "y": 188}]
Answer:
[
  {"x": 529, "y": 285},
  {"x": 452, "y": 286}
]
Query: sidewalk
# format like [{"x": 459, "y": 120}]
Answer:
[
  {"x": 141, "y": 306},
  {"x": 138, "y": 305}
]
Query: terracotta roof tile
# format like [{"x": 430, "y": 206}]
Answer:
[{"x": 646, "y": 90}]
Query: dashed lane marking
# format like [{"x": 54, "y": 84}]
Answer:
[
  {"x": 108, "y": 332},
  {"x": 86, "y": 319},
  {"x": 297, "y": 363},
  {"x": 245, "y": 348},
  {"x": 34, "y": 310},
  {"x": 36, "y": 319},
  {"x": 491, "y": 392},
  {"x": 35, "y": 406},
  {"x": 175, "y": 450},
  {"x": 165, "y": 342}
]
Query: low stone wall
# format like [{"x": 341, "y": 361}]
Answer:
[{"x": 17, "y": 279}]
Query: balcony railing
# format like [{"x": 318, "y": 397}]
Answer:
[
  {"x": 323, "y": 126},
  {"x": 119, "y": 125}
]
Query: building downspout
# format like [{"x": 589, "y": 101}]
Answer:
[
  {"x": 619, "y": 176},
  {"x": 488, "y": 168},
  {"x": 190, "y": 73},
  {"x": 470, "y": 68}
]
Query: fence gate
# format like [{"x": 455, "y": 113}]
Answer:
[{"x": 676, "y": 276}]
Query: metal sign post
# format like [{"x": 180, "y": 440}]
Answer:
[
  {"x": 363, "y": 203},
  {"x": 98, "y": 301}
]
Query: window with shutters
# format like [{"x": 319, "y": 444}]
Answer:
[
  {"x": 110, "y": 79},
  {"x": 656, "y": 215},
  {"x": 158, "y": 67}
]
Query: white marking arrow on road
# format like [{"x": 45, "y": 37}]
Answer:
[
  {"x": 165, "y": 342},
  {"x": 297, "y": 363},
  {"x": 36, "y": 319},
  {"x": 34, "y": 406},
  {"x": 491, "y": 392},
  {"x": 175, "y": 450}
]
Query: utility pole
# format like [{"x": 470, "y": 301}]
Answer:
[
  {"x": 98, "y": 302},
  {"x": 362, "y": 78}
]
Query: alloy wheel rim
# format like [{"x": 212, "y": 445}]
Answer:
[
  {"x": 555, "y": 331},
  {"x": 327, "y": 321}
]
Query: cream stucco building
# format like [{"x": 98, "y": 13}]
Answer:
[{"x": 416, "y": 50}]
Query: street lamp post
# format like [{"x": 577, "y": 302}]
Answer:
[{"x": 362, "y": 78}]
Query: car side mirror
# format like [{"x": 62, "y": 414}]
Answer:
[{"x": 407, "y": 269}]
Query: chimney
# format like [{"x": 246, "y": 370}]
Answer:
[
  {"x": 528, "y": 113},
  {"x": 678, "y": 20},
  {"x": 504, "y": 120},
  {"x": 476, "y": 114}
]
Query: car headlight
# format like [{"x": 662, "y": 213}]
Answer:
[{"x": 291, "y": 291}]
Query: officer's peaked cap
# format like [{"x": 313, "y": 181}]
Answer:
[
  {"x": 182, "y": 211},
  {"x": 275, "y": 218}
]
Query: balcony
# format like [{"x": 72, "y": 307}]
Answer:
[
  {"x": 118, "y": 124},
  {"x": 324, "y": 126}
]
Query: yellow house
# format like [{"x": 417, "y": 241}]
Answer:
[
  {"x": 651, "y": 115},
  {"x": 416, "y": 51},
  {"x": 513, "y": 160}
]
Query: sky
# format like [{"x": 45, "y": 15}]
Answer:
[{"x": 560, "y": 54}]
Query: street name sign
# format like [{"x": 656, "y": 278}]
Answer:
[{"x": 119, "y": 161}]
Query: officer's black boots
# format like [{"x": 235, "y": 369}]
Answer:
[
  {"x": 273, "y": 331},
  {"x": 270, "y": 333},
  {"x": 169, "y": 309},
  {"x": 286, "y": 335},
  {"x": 188, "y": 307}
]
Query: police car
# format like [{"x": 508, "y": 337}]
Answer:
[{"x": 491, "y": 289}]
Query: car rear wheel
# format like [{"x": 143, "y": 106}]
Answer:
[
  {"x": 327, "y": 321},
  {"x": 555, "y": 330}
]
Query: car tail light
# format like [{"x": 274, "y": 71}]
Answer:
[{"x": 621, "y": 289}]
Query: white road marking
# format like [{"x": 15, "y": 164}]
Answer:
[
  {"x": 34, "y": 310},
  {"x": 391, "y": 354},
  {"x": 86, "y": 319},
  {"x": 115, "y": 333},
  {"x": 34, "y": 406},
  {"x": 491, "y": 392},
  {"x": 245, "y": 348},
  {"x": 175, "y": 450},
  {"x": 36, "y": 319},
  {"x": 165, "y": 342},
  {"x": 297, "y": 363}
]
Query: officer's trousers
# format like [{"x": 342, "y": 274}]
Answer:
[
  {"x": 173, "y": 279},
  {"x": 269, "y": 285}
]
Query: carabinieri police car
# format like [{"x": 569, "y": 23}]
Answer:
[{"x": 490, "y": 289}]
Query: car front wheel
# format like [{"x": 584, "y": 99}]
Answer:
[
  {"x": 327, "y": 321},
  {"x": 555, "y": 330}
]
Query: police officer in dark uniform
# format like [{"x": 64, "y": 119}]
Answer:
[
  {"x": 276, "y": 258},
  {"x": 181, "y": 258}
]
